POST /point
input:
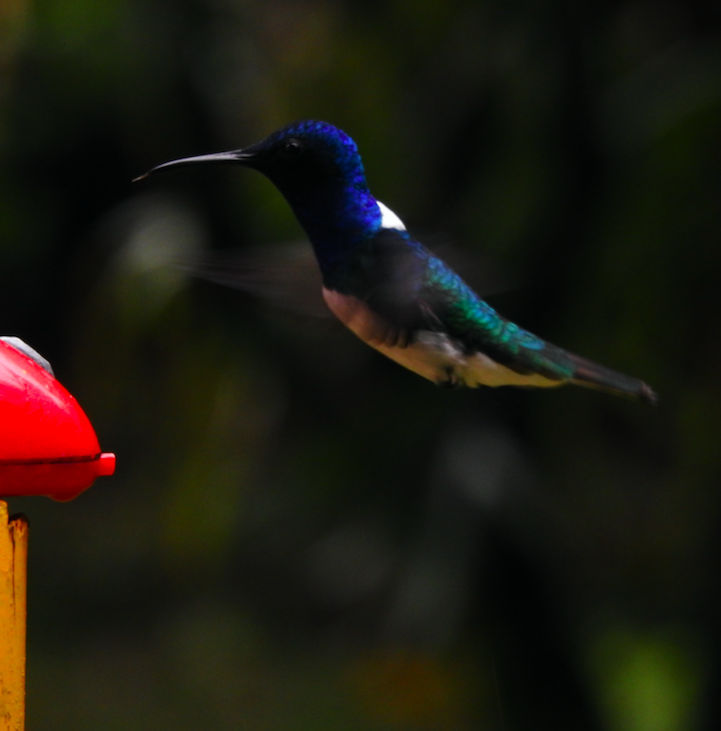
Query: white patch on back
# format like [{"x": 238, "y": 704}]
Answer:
[
  {"x": 432, "y": 355},
  {"x": 389, "y": 219}
]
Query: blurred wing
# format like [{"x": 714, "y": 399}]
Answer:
[{"x": 284, "y": 275}]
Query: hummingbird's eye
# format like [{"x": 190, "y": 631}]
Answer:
[{"x": 293, "y": 148}]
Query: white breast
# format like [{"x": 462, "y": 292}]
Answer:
[{"x": 431, "y": 355}]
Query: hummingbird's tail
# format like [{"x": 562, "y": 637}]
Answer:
[{"x": 592, "y": 375}]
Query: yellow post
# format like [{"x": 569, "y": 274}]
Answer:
[{"x": 13, "y": 612}]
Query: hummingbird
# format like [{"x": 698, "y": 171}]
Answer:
[{"x": 389, "y": 289}]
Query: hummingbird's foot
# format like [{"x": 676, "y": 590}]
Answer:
[{"x": 451, "y": 379}]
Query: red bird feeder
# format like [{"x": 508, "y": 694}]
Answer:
[
  {"x": 47, "y": 444},
  {"x": 47, "y": 447}
]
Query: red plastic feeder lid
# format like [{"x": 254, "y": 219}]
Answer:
[{"x": 47, "y": 444}]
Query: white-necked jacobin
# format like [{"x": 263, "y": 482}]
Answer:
[{"x": 390, "y": 290}]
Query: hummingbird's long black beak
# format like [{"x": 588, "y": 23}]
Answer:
[{"x": 238, "y": 157}]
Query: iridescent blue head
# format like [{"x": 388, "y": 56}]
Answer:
[{"x": 317, "y": 168}]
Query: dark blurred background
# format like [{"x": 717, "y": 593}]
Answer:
[{"x": 301, "y": 535}]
